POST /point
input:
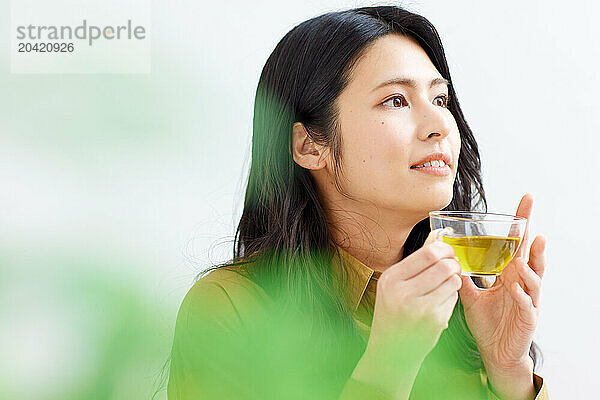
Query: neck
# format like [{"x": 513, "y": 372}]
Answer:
[{"x": 373, "y": 236}]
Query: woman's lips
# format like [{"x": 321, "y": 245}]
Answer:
[{"x": 445, "y": 170}]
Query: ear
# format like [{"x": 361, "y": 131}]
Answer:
[{"x": 305, "y": 151}]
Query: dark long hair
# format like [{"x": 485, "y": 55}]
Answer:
[{"x": 283, "y": 221}]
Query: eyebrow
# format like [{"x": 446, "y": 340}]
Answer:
[{"x": 410, "y": 82}]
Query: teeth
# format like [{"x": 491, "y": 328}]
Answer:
[{"x": 434, "y": 163}]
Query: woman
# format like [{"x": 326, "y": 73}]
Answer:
[{"x": 337, "y": 289}]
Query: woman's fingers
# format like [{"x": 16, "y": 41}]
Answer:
[
  {"x": 537, "y": 258},
  {"x": 447, "y": 307},
  {"x": 434, "y": 276},
  {"x": 420, "y": 260},
  {"x": 524, "y": 210},
  {"x": 521, "y": 298},
  {"x": 532, "y": 272},
  {"x": 531, "y": 281},
  {"x": 447, "y": 289},
  {"x": 468, "y": 291}
]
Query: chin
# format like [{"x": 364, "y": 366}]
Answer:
[
  {"x": 435, "y": 203},
  {"x": 445, "y": 201},
  {"x": 421, "y": 201}
]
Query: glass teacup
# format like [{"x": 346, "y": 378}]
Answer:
[{"x": 484, "y": 243}]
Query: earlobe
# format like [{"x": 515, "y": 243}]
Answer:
[{"x": 305, "y": 151}]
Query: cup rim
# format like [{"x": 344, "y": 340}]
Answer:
[{"x": 448, "y": 215}]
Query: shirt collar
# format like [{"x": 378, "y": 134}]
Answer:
[{"x": 359, "y": 275}]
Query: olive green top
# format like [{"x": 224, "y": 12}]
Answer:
[{"x": 227, "y": 345}]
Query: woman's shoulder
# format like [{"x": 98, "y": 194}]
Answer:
[
  {"x": 231, "y": 280},
  {"x": 226, "y": 297}
]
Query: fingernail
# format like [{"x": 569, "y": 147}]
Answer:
[{"x": 446, "y": 231}]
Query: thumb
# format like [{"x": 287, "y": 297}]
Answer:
[
  {"x": 468, "y": 292},
  {"x": 437, "y": 235}
]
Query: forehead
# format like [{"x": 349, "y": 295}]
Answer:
[{"x": 390, "y": 56}]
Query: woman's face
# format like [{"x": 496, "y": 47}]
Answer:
[{"x": 387, "y": 130}]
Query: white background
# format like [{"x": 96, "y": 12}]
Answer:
[{"x": 167, "y": 197}]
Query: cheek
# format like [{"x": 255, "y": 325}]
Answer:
[
  {"x": 375, "y": 152},
  {"x": 455, "y": 142}
]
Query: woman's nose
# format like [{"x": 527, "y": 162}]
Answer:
[{"x": 433, "y": 124}]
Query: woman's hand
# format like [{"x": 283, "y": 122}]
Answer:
[
  {"x": 415, "y": 299},
  {"x": 503, "y": 318}
]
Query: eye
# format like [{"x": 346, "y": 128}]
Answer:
[
  {"x": 397, "y": 101},
  {"x": 444, "y": 102}
]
